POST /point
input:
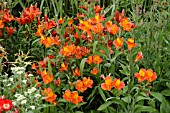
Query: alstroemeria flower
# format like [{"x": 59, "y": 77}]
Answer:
[
  {"x": 139, "y": 56},
  {"x": 131, "y": 43},
  {"x": 118, "y": 42},
  {"x": 150, "y": 75},
  {"x": 118, "y": 84},
  {"x": 141, "y": 76}
]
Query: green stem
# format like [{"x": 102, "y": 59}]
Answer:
[{"x": 130, "y": 77}]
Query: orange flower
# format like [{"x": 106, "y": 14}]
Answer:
[
  {"x": 57, "y": 82},
  {"x": 119, "y": 16},
  {"x": 1, "y": 24},
  {"x": 108, "y": 85},
  {"x": 118, "y": 84},
  {"x": 89, "y": 60},
  {"x": 97, "y": 59},
  {"x": 64, "y": 67},
  {"x": 46, "y": 77},
  {"x": 72, "y": 97},
  {"x": 80, "y": 86},
  {"x": 70, "y": 22},
  {"x": 67, "y": 95},
  {"x": 94, "y": 71},
  {"x": 126, "y": 25},
  {"x": 118, "y": 42},
  {"x": 60, "y": 21},
  {"x": 75, "y": 98},
  {"x": 97, "y": 9},
  {"x": 150, "y": 75},
  {"x": 97, "y": 19},
  {"x": 56, "y": 40},
  {"x": 68, "y": 50},
  {"x": 141, "y": 76},
  {"x": 98, "y": 28},
  {"x": 112, "y": 28},
  {"x": 139, "y": 56},
  {"x": 50, "y": 96},
  {"x": 34, "y": 66},
  {"x": 76, "y": 72},
  {"x": 10, "y": 30},
  {"x": 131, "y": 43},
  {"x": 84, "y": 84},
  {"x": 48, "y": 42},
  {"x": 87, "y": 82},
  {"x": 39, "y": 30}
]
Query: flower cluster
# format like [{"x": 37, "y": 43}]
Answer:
[
  {"x": 5, "y": 104},
  {"x": 109, "y": 83},
  {"x": 94, "y": 59},
  {"x": 71, "y": 50},
  {"x": 82, "y": 85},
  {"x": 47, "y": 78},
  {"x": 50, "y": 96},
  {"x": 72, "y": 97},
  {"x": 28, "y": 15},
  {"x": 144, "y": 74}
]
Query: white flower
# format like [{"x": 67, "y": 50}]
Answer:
[
  {"x": 30, "y": 75},
  {"x": 32, "y": 107},
  {"x": 8, "y": 85},
  {"x": 24, "y": 81},
  {"x": 4, "y": 80},
  {"x": 31, "y": 90},
  {"x": 13, "y": 103},
  {"x": 37, "y": 95},
  {"x": 17, "y": 95},
  {"x": 20, "y": 72},
  {"x": 21, "y": 97},
  {"x": 24, "y": 102},
  {"x": 11, "y": 79}
]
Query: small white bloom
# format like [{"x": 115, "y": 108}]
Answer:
[
  {"x": 8, "y": 85},
  {"x": 24, "y": 81},
  {"x": 21, "y": 97},
  {"x": 25, "y": 93},
  {"x": 31, "y": 90},
  {"x": 4, "y": 80},
  {"x": 32, "y": 107},
  {"x": 30, "y": 75},
  {"x": 37, "y": 95},
  {"x": 19, "y": 72},
  {"x": 24, "y": 102},
  {"x": 17, "y": 95},
  {"x": 11, "y": 79},
  {"x": 14, "y": 103}
]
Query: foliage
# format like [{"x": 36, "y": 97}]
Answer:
[{"x": 85, "y": 56}]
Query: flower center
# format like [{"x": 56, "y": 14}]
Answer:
[{"x": 6, "y": 106}]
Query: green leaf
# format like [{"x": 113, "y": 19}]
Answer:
[
  {"x": 104, "y": 106},
  {"x": 22, "y": 4},
  {"x": 158, "y": 96},
  {"x": 120, "y": 102},
  {"x": 139, "y": 98},
  {"x": 79, "y": 112},
  {"x": 118, "y": 53},
  {"x": 94, "y": 46},
  {"x": 101, "y": 93},
  {"x": 105, "y": 49},
  {"x": 42, "y": 2},
  {"x": 166, "y": 92},
  {"x": 82, "y": 65},
  {"x": 140, "y": 108},
  {"x": 127, "y": 99}
]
